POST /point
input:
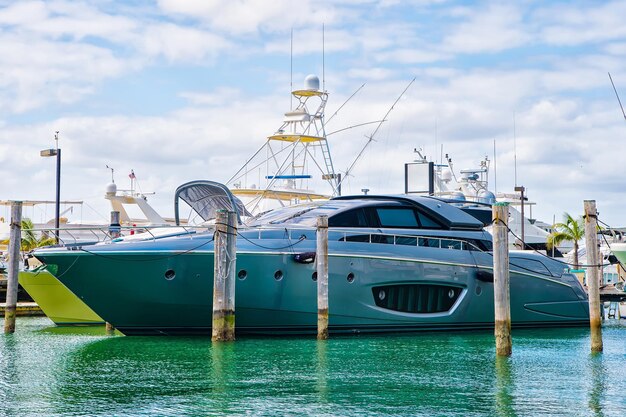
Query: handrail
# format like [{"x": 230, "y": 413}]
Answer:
[
  {"x": 103, "y": 234},
  {"x": 382, "y": 237},
  {"x": 69, "y": 236}
]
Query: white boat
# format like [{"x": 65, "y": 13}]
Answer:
[
  {"x": 472, "y": 186},
  {"x": 292, "y": 161}
]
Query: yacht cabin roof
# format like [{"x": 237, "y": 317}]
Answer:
[{"x": 375, "y": 211}]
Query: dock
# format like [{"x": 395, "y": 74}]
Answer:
[
  {"x": 24, "y": 309},
  {"x": 611, "y": 294}
]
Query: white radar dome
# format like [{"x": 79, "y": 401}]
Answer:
[
  {"x": 312, "y": 82},
  {"x": 111, "y": 189},
  {"x": 446, "y": 175},
  {"x": 485, "y": 196}
]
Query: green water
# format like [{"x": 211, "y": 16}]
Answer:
[{"x": 48, "y": 371}]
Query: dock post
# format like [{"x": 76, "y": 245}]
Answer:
[
  {"x": 115, "y": 229},
  {"x": 224, "y": 276},
  {"x": 321, "y": 256},
  {"x": 502, "y": 304},
  {"x": 593, "y": 274},
  {"x": 15, "y": 243}
]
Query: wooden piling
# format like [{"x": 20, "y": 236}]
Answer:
[
  {"x": 115, "y": 229},
  {"x": 502, "y": 306},
  {"x": 224, "y": 276},
  {"x": 321, "y": 257},
  {"x": 109, "y": 328},
  {"x": 593, "y": 274},
  {"x": 15, "y": 243}
]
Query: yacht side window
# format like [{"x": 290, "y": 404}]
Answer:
[
  {"x": 349, "y": 218},
  {"x": 397, "y": 217},
  {"x": 426, "y": 222}
]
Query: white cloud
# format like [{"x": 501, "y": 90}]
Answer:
[
  {"x": 492, "y": 29},
  {"x": 177, "y": 43},
  {"x": 592, "y": 22},
  {"x": 249, "y": 16},
  {"x": 50, "y": 72}
]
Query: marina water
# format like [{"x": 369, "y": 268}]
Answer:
[{"x": 46, "y": 370}]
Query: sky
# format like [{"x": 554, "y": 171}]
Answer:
[{"x": 185, "y": 90}]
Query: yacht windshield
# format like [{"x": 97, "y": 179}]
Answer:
[{"x": 301, "y": 214}]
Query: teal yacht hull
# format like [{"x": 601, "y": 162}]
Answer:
[{"x": 166, "y": 286}]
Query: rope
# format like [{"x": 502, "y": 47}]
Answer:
[
  {"x": 290, "y": 245},
  {"x": 152, "y": 258},
  {"x": 524, "y": 245}
]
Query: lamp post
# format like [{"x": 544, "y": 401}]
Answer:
[
  {"x": 522, "y": 189},
  {"x": 56, "y": 152}
]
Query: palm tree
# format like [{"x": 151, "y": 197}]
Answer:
[
  {"x": 570, "y": 230},
  {"x": 30, "y": 240}
]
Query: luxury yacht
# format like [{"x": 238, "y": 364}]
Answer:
[{"x": 396, "y": 263}]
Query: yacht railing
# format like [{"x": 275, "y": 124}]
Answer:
[
  {"x": 361, "y": 236},
  {"x": 87, "y": 235}
]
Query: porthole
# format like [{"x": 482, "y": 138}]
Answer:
[
  {"x": 479, "y": 290},
  {"x": 451, "y": 293},
  {"x": 278, "y": 275},
  {"x": 242, "y": 274},
  {"x": 170, "y": 274},
  {"x": 314, "y": 276},
  {"x": 350, "y": 277},
  {"x": 382, "y": 294}
]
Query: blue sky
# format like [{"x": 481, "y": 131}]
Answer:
[{"x": 186, "y": 90}]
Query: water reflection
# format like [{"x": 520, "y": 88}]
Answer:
[
  {"x": 82, "y": 371},
  {"x": 98, "y": 330},
  {"x": 598, "y": 380},
  {"x": 9, "y": 375},
  {"x": 223, "y": 361},
  {"x": 504, "y": 386},
  {"x": 321, "y": 367}
]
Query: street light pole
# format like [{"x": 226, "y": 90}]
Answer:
[
  {"x": 56, "y": 152},
  {"x": 522, "y": 189},
  {"x": 57, "y": 219}
]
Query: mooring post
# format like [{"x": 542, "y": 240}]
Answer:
[
  {"x": 502, "y": 306},
  {"x": 224, "y": 276},
  {"x": 593, "y": 274},
  {"x": 321, "y": 256},
  {"x": 15, "y": 243},
  {"x": 109, "y": 328},
  {"x": 115, "y": 229}
]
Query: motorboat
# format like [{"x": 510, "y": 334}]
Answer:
[
  {"x": 396, "y": 263},
  {"x": 57, "y": 302}
]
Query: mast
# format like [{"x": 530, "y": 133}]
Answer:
[{"x": 295, "y": 154}]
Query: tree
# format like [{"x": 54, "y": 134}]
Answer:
[
  {"x": 30, "y": 240},
  {"x": 570, "y": 230}
]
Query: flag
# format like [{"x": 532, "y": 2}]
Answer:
[{"x": 131, "y": 175}]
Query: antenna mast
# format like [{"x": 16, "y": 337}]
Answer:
[
  {"x": 323, "y": 61},
  {"x": 495, "y": 169},
  {"x": 112, "y": 170},
  {"x": 291, "y": 72},
  {"x": 617, "y": 95},
  {"x": 514, "y": 150},
  {"x": 371, "y": 137}
]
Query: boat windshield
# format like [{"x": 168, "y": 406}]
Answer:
[{"x": 301, "y": 214}]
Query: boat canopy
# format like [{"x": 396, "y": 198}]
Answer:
[
  {"x": 447, "y": 214},
  {"x": 206, "y": 198}
]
